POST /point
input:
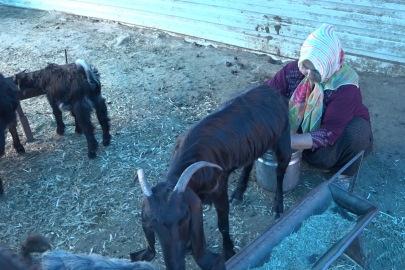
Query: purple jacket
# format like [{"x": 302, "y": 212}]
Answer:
[{"x": 339, "y": 106}]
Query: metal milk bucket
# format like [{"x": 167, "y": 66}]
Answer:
[{"x": 266, "y": 171}]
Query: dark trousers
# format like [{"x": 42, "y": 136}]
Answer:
[{"x": 356, "y": 137}]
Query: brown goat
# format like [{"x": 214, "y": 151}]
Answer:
[{"x": 204, "y": 157}]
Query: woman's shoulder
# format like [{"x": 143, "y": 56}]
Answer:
[
  {"x": 347, "y": 88},
  {"x": 293, "y": 75},
  {"x": 348, "y": 92},
  {"x": 291, "y": 65}
]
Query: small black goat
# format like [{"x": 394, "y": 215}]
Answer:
[
  {"x": 24, "y": 261},
  {"x": 62, "y": 260},
  {"x": 72, "y": 87},
  {"x": 8, "y": 117},
  {"x": 232, "y": 137}
]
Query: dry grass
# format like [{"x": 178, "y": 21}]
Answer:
[{"x": 156, "y": 85}]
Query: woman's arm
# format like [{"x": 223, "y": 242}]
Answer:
[{"x": 338, "y": 113}]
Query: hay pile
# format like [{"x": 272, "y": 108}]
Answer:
[{"x": 318, "y": 232}]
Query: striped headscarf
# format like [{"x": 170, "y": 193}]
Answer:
[{"x": 323, "y": 49}]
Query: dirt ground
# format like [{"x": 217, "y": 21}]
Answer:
[{"x": 156, "y": 85}]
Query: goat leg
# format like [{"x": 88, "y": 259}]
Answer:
[
  {"x": 102, "y": 116},
  {"x": 278, "y": 198},
  {"x": 60, "y": 126},
  {"x": 2, "y": 138},
  {"x": 1, "y": 187},
  {"x": 283, "y": 153},
  {"x": 146, "y": 254},
  {"x": 78, "y": 130},
  {"x": 280, "y": 172},
  {"x": 82, "y": 109},
  {"x": 237, "y": 195},
  {"x": 92, "y": 144},
  {"x": 222, "y": 208},
  {"x": 16, "y": 140},
  {"x": 204, "y": 258}
]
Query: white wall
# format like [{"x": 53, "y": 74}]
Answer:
[{"x": 372, "y": 31}]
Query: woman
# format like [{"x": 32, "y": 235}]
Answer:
[{"x": 327, "y": 116}]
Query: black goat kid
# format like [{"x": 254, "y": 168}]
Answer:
[
  {"x": 24, "y": 261},
  {"x": 232, "y": 137},
  {"x": 8, "y": 117},
  {"x": 75, "y": 88},
  {"x": 61, "y": 260}
]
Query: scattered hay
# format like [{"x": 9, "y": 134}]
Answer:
[{"x": 318, "y": 232}]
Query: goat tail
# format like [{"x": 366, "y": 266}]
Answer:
[{"x": 93, "y": 77}]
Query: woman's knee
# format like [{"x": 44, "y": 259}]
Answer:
[{"x": 319, "y": 158}]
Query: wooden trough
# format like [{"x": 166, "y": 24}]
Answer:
[{"x": 316, "y": 202}]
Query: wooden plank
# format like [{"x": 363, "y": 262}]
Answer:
[
  {"x": 212, "y": 31},
  {"x": 25, "y": 124},
  {"x": 368, "y": 29}
]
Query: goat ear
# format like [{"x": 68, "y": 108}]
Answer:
[
  {"x": 188, "y": 173},
  {"x": 197, "y": 238},
  {"x": 149, "y": 253}
]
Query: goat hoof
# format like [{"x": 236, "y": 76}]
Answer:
[
  {"x": 106, "y": 142},
  {"x": 235, "y": 201},
  {"x": 276, "y": 215},
  {"x": 229, "y": 254},
  {"x": 20, "y": 149},
  {"x": 60, "y": 131},
  {"x": 92, "y": 155}
]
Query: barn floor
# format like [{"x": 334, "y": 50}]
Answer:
[{"x": 156, "y": 85}]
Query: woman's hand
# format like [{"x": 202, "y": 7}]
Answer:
[{"x": 301, "y": 141}]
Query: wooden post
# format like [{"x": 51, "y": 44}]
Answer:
[{"x": 25, "y": 124}]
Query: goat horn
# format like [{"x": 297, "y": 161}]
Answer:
[
  {"x": 188, "y": 173},
  {"x": 144, "y": 184}
]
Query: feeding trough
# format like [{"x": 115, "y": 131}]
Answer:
[{"x": 258, "y": 252}]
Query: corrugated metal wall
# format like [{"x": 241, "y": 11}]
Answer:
[{"x": 372, "y": 31}]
